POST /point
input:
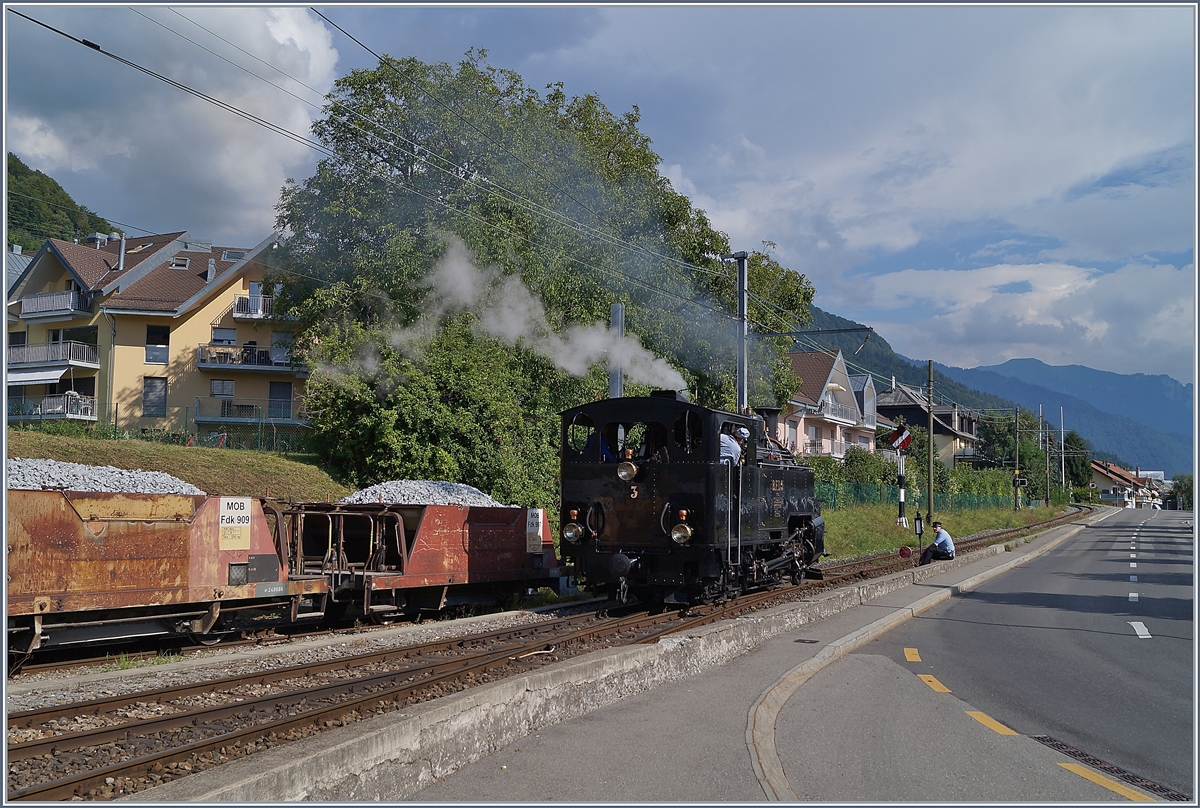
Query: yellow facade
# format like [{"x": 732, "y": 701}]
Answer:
[{"x": 226, "y": 361}]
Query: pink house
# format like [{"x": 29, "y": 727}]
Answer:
[{"x": 833, "y": 410}]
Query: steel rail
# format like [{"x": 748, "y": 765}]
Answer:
[{"x": 73, "y": 785}]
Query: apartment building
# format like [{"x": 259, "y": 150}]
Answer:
[
  {"x": 833, "y": 410},
  {"x": 161, "y": 332}
]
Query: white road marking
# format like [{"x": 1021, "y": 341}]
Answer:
[
  {"x": 1133, "y": 596},
  {"x": 1133, "y": 579},
  {"x": 1133, "y": 555},
  {"x": 1140, "y": 628},
  {"x": 1133, "y": 563}
]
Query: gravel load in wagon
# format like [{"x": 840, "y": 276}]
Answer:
[
  {"x": 423, "y": 492},
  {"x": 34, "y": 474}
]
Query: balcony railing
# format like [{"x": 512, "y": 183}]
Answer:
[
  {"x": 831, "y": 409},
  {"x": 248, "y": 357},
  {"x": 253, "y": 306},
  {"x": 63, "y": 405},
  {"x": 49, "y": 303},
  {"x": 250, "y": 410},
  {"x": 54, "y": 353},
  {"x": 824, "y": 448}
]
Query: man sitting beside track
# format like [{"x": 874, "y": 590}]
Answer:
[{"x": 942, "y": 547}]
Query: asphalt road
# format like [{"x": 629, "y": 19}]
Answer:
[{"x": 1079, "y": 644}]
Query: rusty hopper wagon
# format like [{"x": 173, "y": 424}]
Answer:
[
  {"x": 386, "y": 558},
  {"x": 86, "y": 568}
]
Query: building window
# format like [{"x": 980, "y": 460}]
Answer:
[
  {"x": 224, "y": 336},
  {"x": 180, "y": 262},
  {"x": 158, "y": 341},
  {"x": 864, "y": 441},
  {"x": 281, "y": 347},
  {"x": 233, "y": 255},
  {"x": 279, "y": 404},
  {"x": 154, "y": 397},
  {"x": 791, "y": 433},
  {"x": 221, "y": 388}
]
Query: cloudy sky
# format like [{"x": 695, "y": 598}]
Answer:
[{"x": 977, "y": 183}]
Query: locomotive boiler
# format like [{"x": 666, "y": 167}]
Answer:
[{"x": 648, "y": 507}]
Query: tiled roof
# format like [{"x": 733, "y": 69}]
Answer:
[
  {"x": 1118, "y": 474},
  {"x": 97, "y": 266},
  {"x": 814, "y": 368},
  {"x": 165, "y": 288},
  {"x": 900, "y": 396}
]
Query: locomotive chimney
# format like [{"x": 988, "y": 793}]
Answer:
[{"x": 771, "y": 416}]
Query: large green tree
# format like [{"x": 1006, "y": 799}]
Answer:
[{"x": 560, "y": 208}]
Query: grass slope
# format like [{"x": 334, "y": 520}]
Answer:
[{"x": 231, "y": 472}]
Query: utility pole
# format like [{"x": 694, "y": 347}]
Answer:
[
  {"x": 1046, "y": 433},
  {"x": 1062, "y": 447},
  {"x": 616, "y": 375},
  {"x": 929, "y": 510},
  {"x": 1017, "y": 455},
  {"x": 743, "y": 362}
]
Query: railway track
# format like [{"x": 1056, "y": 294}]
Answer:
[{"x": 107, "y": 747}]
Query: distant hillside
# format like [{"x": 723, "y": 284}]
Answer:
[
  {"x": 878, "y": 357},
  {"x": 39, "y": 208},
  {"x": 1152, "y": 450},
  {"x": 1136, "y": 443},
  {"x": 1158, "y": 402}
]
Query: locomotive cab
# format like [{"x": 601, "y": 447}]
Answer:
[{"x": 648, "y": 507}]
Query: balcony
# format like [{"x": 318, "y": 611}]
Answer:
[
  {"x": 64, "y": 354},
  {"x": 216, "y": 356},
  {"x": 215, "y": 409},
  {"x": 253, "y": 307},
  {"x": 838, "y": 412},
  {"x": 54, "y": 305},
  {"x": 824, "y": 448},
  {"x": 69, "y": 405}
]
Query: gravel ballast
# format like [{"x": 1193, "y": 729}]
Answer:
[
  {"x": 423, "y": 492},
  {"x": 40, "y": 474}
]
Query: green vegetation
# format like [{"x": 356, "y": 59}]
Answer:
[
  {"x": 50, "y": 213},
  {"x": 872, "y": 528},
  {"x": 453, "y": 303},
  {"x": 1181, "y": 491},
  {"x": 231, "y": 472}
]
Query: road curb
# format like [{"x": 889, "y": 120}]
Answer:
[{"x": 760, "y": 723}]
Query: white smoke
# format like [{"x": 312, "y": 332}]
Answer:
[{"x": 508, "y": 311}]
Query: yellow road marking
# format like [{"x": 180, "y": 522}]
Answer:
[
  {"x": 990, "y": 723},
  {"x": 934, "y": 683},
  {"x": 911, "y": 655},
  {"x": 1111, "y": 785}
]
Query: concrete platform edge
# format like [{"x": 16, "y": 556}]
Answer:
[{"x": 397, "y": 754}]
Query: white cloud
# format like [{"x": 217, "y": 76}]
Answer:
[
  {"x": 1138, "y": 319},
  {"x": 138, "y": 151}
]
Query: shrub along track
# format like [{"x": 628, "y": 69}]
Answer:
[{"x": 103, "y": 748}]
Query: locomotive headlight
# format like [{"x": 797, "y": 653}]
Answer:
[
  {"x": 572, "y": 532},
  {"x": 681, "y": 534},
  {"x": 627, "y": 470}
]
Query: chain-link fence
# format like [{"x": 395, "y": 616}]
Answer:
[{"x": 843, "y": 495}]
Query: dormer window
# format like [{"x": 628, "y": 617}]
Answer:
[
  {"x": 233, "y": 255},
  {"x": 180, "y": 262}
]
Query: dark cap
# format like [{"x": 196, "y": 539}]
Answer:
[{"x": 935, "y": 524}]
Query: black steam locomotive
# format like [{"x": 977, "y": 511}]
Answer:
[{"x": 649, "y": 508}]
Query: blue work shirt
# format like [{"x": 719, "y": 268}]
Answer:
[{"x": 943, "y": 541}]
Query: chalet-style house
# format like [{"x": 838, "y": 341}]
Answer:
[
  {"x": 161, "y": 332},
  {"x": 1124, "y": 489},
  {"x": 955, "y": 428},
  {"x": 832, "y": 411}
]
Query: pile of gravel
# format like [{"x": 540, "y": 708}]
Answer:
[
  {"x": 34, "y": 474},
  {"x": 423, "y": 492}
]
